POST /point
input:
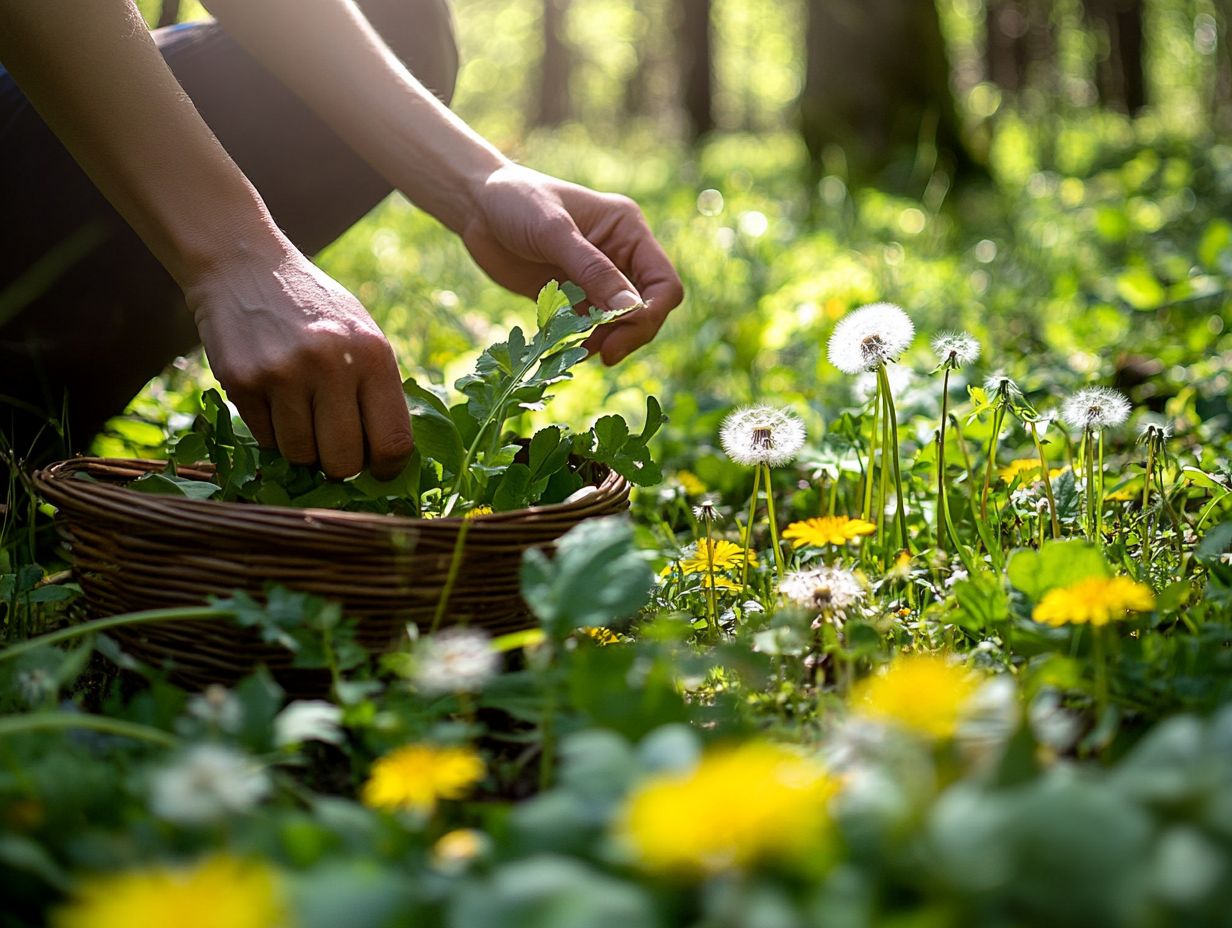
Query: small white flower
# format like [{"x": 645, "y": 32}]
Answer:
[
  {"x": 870, "y": 336},
  {"x": 762, "y": 435},
  {"x": 998, "y": 383},
  {"x": 1096, "y": 408},
  {"x": 207, "y": 782},
  {"x": 824, "y": 589},
  {"x": 955, "y": 348},
  {"x": 957, "y": 576},
  {"x": 218, "y": 707},
  {"x": 308, "y": 720},
  {"x": 1154, "y": 430},
  {"x": 1226, "y": 558},
  {"x": 460, "y": 660}
]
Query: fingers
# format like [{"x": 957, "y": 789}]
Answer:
[
  {"x": 387, "y": 423},
  {"x": 255, "y": 412},
  {"x": 339, "y": 432},
  {"x": 294, "y": 430},
  {"x": 592, "y": 270}
]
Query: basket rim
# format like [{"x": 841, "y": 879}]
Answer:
[{"x": 54, "y": 479}]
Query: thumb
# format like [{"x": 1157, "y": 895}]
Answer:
[{"x": 588, "y": 267}]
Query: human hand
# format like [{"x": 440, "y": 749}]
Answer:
[
  {"x": 307, "y": 367},
  {"x": 529, "y": 228}
]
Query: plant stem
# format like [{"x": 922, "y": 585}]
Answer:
[
  {"x": 711, "y": 594},
  {"x": 1099, "y": 499},
  {"x": 1052, "y": 502},
  {"x": 872, "y": 456},
  {"x": 774, "y": 529},
  {"x": 892, "y": 419},
  {"x": 748, "y": 533},
  {"x": 99, "y": 625},
  {"x": 455, "y": 567},
  {"x": 998, "y": 418},
  {"x": 52, "y": 721},
  {"x": 1100, "y": 659},
  {"x": 1146, "y": 498},
  {"x": 942, "y": 500}
]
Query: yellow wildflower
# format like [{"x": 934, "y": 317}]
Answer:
[
  {"x": 727, "y": 555},
  {"x": 1094, "y": 601},
  {"x": 739, "y": 807},
  {"x": 454, "y": 850},
  {"x": 478, "y": 511},
  {"x": 690, "y": 483},
  {"x": 922, "y": 693},
  {"x": 218, "y": 892},
  {"x": 415, "y": 776},
  {"x": 1024, "y": 467},
  {"x": 600, "y": 635},
  {"x": 827, "y": 530}
]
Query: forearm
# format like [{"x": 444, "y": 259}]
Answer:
[
  {"x": 332, "y": 58},
  {"x": 95, "y": 76}
]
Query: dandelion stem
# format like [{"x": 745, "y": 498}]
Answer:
[
  {"x": 1146, "y": 498},
  {"x": 1052, "y": 502},
  {"x": 872, "y": 454},
  {"x": 1099, "y": 499},
  {"x": 455, "y": 566},
  {"x": 998, "y": 418},
  {"x": 748, "y": 533},
  {"x": 942, "y": 500},
  {"x": 98, "y": 625},
  {"x": 711, "y": 601},
  {"x": 774, "y": 529},
  {"x": 892, "y": 419},
  {"x": 45, "y": 721}
]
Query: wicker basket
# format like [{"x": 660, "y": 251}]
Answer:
[{"x": 134, "y": 551}]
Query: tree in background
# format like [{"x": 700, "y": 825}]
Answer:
[
  {"x": 1120, "y": 78},
  {"x": 553, "y": 105},
  {"x": 1019, "y": 41},
  {"x": 694, "y": 49},
  {"x": 877, "y": 86}
]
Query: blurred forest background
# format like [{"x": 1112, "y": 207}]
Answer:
[{"x": 1053, "y": 175}]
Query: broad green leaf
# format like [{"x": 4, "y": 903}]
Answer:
[
  {"x": 551, "y": 299},
  {"x": 436, "y": 435},
  {"x": 597, "y": 577},
  {"x": 1056, "y": 564},
  {"x": 1215, "y": 243},
  {"x": 174, "y": 486},
  {"x": 513, "y": 490}
]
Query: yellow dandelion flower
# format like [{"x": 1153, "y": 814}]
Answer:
[
  {"x": 416, "y": 776},
  {"x": 739, "y": 807},
  {"x": 218, "y": 892},
  {"x": 922, "y": 693},
  {"x": 600, "y": 635},
  {"x": 690, "y": 483},
  {"x": 727, "y": 555},
  {"x": 454, "y": 850},
  {"x": 826, "y": 530},
  {"x": 1056, "y": 472},
  {"x": 1024, "y": 467},
  {"x": 1094, "y": 601},
  {"x": 478, "y": 511}
]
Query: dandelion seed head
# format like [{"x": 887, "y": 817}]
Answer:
[
  {"x": 870, "y": 336},
  {"x": 762, "y": 435},
  {"x": 459, "y": 660},
  {"x": 207, "y": 783},
  {"x": 706, "y": 511},
  {"x": 956, "y": 348},
  {"x": 1096, "y": 408},
  {"x": 825, "y": 589},
  {"x": 1001, "y": 382},
  {"x": 1154, "y": 430}
]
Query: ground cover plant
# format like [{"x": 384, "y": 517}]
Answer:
[{"x": 923, "y": 615}]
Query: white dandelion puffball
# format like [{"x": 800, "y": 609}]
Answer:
[
  {"x": 762, "y": 435},
  {"x": 870, "y": 336},
  {"x": 956, "y": 348},
  {"x": 207, "y": 783},
  {"x": 1096, "y": 408},
  {"x": 1001, "y": 383},
  {"x": 1153, "y": 429},
  {"x": 460, "y": 660},
  {"x": 824, "y": 589},
  {"x": 308, "y": 720}
]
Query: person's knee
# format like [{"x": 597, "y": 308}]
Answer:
[{"x": 421, "y": 33}]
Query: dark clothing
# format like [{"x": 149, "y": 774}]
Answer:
[{"x": 87, "y": 315}]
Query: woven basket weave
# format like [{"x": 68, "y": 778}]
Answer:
[{"x": 134, "y": 551}]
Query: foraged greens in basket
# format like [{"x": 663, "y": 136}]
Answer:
[{"x": 464, "y": 458}]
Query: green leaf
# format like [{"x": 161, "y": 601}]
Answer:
[
  {"x": 174, "y": 486},
  {"x": 436, "y": 434},
  {"x": 403, "y": 486},
  {"x": 597, "y": 577},
  {"x": 514, "y": 489},
  {"x": 326, "y": 496},
  {"x": 1056, "y": 564},
  {"x": 1214, "y": 246},
  {"x": 551, "y": 299}
]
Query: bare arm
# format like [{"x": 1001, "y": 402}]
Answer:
[
  {"x": 305, "y": 364},
  {"x": 521, "y": 226}
]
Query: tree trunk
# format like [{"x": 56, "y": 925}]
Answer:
[
  {"x": 634, "y": 100},
  {"x": 1005, "y": 48},
  {"x": 696, "y": 67},
  {"x": 1120, "y": 78},
  {"x": 877, "y": 86},
  {"x": 553, "y": 104}
]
